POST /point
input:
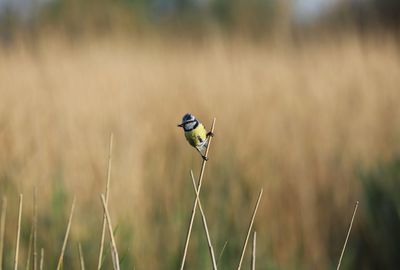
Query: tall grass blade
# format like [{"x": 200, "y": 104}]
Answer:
[
  {"x": 28, "y": 259},
  {"x": 250, "y": 227},
  {"x": 41, "y": 258},
  {"x": 2, "y": 228},
  {"x": 203, "y": 218},
  {"x": 81, "y": 260},
  {"x": 222, "y": 252},
  {"x": 347, "y": 236},
  {"x": 100, "y": 261},
  {"x": 60, "y": 260},
  {"x": 35, "y": 229},
  {"x": 32, "y": 236},
  {"x": 253, "y": 252},
  {"x": 114, "y": 251},
  {"x": 18, "y": 232}
]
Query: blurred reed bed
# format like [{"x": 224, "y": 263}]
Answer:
[{"x": 297, "y": 120}]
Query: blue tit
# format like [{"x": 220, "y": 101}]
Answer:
[{"x": 195, "y": 133}]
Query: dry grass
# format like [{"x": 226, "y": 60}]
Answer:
[
  {"x": 294, "y": 120},
  {"x": 114, "y": 251},
  {"x": 347, "y": 236},
  {"x": 64, "y": 245},
  {"x": 250, "y": 228},
  {"x": 204, "y": 220},
  {"x": 18, "y": 232},
  {"x": 2, "y": 228},
  {"x": 253, "y": 251}
]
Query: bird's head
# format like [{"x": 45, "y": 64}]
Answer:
[{"x": 189, "y": 122}]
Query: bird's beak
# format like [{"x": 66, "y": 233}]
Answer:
[{"x": 180, "y": 125}]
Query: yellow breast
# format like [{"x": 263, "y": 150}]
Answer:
[{"x": 197, "y": 136}]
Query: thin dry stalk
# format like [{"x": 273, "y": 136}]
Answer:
[
  {"x": 113, "y": 258},
  {"x": 114, "y": 251},
  {"x": 348, "y": 235},
  {"x": 107, "y": 192},
  {"x": 249, "y": 230},
  {"x": 35, "y": 229},
  {"x": 32, "y": 236},
  {"x": 41, "y": 258},
  {"x": 28, "y": 259},
  {"x": 18, "y": 232},
  {"x": 2, "y": 229},
  {"x": 199, "y": 184},
  {"x": 253, "y": 252},
  {"x": 82, "y": 261},
  {"x": 60, "y": 260},
  {"x": 203, "y": 218}
]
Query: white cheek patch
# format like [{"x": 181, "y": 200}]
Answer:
[{"x": 190, "y": 126}]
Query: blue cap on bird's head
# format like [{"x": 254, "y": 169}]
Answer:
[{"x": 187, "y": 118}]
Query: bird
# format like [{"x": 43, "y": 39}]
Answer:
[{"x": 195, "y": 133}]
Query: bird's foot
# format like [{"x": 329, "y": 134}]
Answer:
[
  {"x": 210, "y": 134},
  {"x": 204, "y": 158}
]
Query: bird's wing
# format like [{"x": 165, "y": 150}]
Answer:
[{"x": 200, "y": 139}]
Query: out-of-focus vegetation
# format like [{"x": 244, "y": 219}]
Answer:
[
  {"x": 308, "y": 111},
  {"x": 191, "y": 17},
  {"x": 377, "y": 240},
  {"x": 255, "y": 18}
]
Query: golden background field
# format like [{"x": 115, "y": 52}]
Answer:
[{"x": 298, "y": 120}]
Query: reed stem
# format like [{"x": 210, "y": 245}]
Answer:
[
  {"x": 60, "y": 260},
  {"x": 103, "y": 231},
  {"x": 28, "y": 259},
  {"x": 35, "y": 229},
  {"x": 203, "y": 218},
  {"x": 41, "y": 258},
  {"x": 249, "y": 230},
  {"x": 82, "y": 261},
  {"x": 2, "y": 228},
  {"x": 348, "y": 235},
  {"x": 114, "y": 251},
  {"x": 18, "y": 232},
  {"x": 253, "y": 252}
]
